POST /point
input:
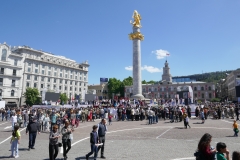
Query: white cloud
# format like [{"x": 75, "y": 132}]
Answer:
[
  {"x": 150, "y": 69},
  {"x": 161, "y": 53},
  {"x": 129, "y": 68}
]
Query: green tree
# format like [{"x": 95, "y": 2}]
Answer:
[
  {"x": 144, "y": 82},
  {"x": 115, "y": 86},
  {"x": 151, "y": 82},
  {"x": 128, "y": 81},
  {"x": 32, "y": 96},
  {"x": 63, "y": 98}
]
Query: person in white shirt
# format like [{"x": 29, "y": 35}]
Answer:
[{"x": 13, "y": 120}]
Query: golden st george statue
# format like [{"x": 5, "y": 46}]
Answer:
[{"x": 137, "y": 18}]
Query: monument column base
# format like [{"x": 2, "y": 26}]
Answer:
[{"x": 137, "y": 97}]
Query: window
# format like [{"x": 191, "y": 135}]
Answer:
[
  {"x": 75, "y": 89},
  {"x": 42, "y": 71},
  {"x": 54, "y": 87},
  {"x": 65, "y": 88},
  {"x": 14, "y": 72},
  {"x": 61, "y": 70},
  {"x": 42, "y": 79},
  {"x": 70, "y": 82},
  {"x": 49, "y": 67},
  {"x": 70, "y": 88},
  {"x": 65, "y": 82},
  {"x": 49, "y": 79},
  {"x": 36, "y": 70},
  {"x": 66, "y": 76},
  {"x": 55, "y": 74},
  {"x": 55, "y": 68},
  {"x": 195, "y": 88},
  {"x": 71, "y": 76},
  {"x": 12, "y": 93},
  {"x": 80, "y": 89},
  {"x": 4, "y": 55},
  {"x": 43, "y": 66},
  {"x": 2, "y": 71},
  {"x": 41, "y": 85},
  {"x": 36, "y": 65},
  {"x": 80, "y": 84},
  {"x": 35, "y": 85},
  {"x": 15, "y": 62},
  {"x": 40, "y": 93},
  {"x": 28, "y": 84},
  {"x": 54, "y": 80},
  {"x": 210, "y": 95},
  {"x": 60, "y": 81},
  {"x": 209, "y": 88},
  {"x": 29, "y": 64},
  {"x": 49, "y": 73},
  {"x": 202, "y": 88},
  {"x": 29, "y": 69},
  {"x": 1, "y": 81},
  {"x": 84, "y": 84},
  {"x": 48, "y": 86},
  {"x": 28, "y": 77},
  {"x": 86, "y": 79},
  {"x": 0, "y": 92},
  {"x": 195, "y": 95},
  {"x": 202, "y": 95},
  {"x": 13, "y": 82},
  {"x": 35, "y": 78},
  {"x": 76, "y": 77},
  {"x": 80, "y": 78},
  {"x": 60, "y": 87}
]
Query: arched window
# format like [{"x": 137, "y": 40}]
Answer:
[
  {"x": 202, "y": 88},
  {"x": 12, "y": 93},
  {"x": 209, "y": 88},
  {"x": 195, "y": 88},
  {"x": 0, "y": 92},
  {"x": 4, "y": 55}
]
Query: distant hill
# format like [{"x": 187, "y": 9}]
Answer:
[{"x": 208, "y": 77}]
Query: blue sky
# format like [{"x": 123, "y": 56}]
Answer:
[{"x": 201, "y": 36}]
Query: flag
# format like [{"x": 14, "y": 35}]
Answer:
[{"x": 168, "y": 54}]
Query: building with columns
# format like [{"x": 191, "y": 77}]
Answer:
[
  {"x": 167, "y": 89},
  {"x": 23, "y": 67}
]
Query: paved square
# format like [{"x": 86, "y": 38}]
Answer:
[{"x": 131, "y": 140}]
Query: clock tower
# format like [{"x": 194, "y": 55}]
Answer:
[{"x": 166, "y": 76}]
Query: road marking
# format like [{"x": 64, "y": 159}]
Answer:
[
  {"x": 10, "y": 137},
  {"x": 163, "y": 133},
  {"x": 147, "y": 128},
  {"x": 80, "y": 141},
  {"x": 8, "y": 127},
  {"x": 3, "y": 123},
  {"x": 185, "y": 158}
]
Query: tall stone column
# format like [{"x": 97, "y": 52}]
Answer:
[{"x": 136, "y": 37}]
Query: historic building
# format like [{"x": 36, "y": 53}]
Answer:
[
  {"x": 24, "y": 67},
  {"x": 231, "y": 82},
  {"x": 101, "y": 90},
  {"x": 167, "y": 89}
]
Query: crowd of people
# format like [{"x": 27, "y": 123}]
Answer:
[{"x": 61, "y": 123}]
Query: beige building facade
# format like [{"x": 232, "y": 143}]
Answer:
[
  {"x": 231, "y": 82},
  {"x": 101, "y": 90},
  {"x": 166, "y": 89}
]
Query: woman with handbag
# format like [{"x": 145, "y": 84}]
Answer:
[{"x": 53, "y": 143}]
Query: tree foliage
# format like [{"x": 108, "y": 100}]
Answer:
[
  {"x": 32, "y": 96},
  {"x": 115, "y": 86},
  {"x": 63, "y": 98}
]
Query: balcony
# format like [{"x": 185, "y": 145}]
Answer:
[{"x": 13, "y": 85}]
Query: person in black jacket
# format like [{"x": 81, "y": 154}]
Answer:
[
  {"x": 32, "y": 127},
  {"x": 93, "y": 141}
]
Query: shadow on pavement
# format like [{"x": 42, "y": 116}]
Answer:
[
  {"x": 23, "y": 149},
  {"x": 230, "y": 136},
  {"x": 198, "y": 123},
  {"x": 81, "y": 158},
  {"x": 3, "y": 157}
]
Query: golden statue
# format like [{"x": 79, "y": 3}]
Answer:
[{"x": 137, "y": 18}]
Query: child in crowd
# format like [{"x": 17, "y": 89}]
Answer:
[
  {"x": 94, "y": 141},
  {"x": 235, "y": 128},
  {"x": 235, "y": 155},
  {"x": 15, "y": 140},
  {"x": 110, "y": 119},
  {"x": 222, "y": 148}
]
